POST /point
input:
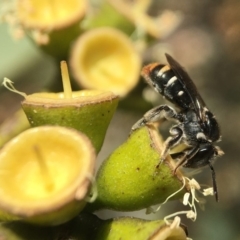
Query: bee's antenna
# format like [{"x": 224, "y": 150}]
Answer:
[{"x": 215, "y": 190}]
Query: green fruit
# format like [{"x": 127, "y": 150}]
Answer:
[
  {"x": 130, "y": 180},
  {"x": 52, "y": 25},
  {"x": 88, "y": 111},
  {"x": 105, "y": 59},
  {"x": 88, "y": 226},
  {"x": 45, "y": 175}
]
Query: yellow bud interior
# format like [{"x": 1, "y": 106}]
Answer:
[
  {"x": 48, "y": 13},
  {"x": 22, "y": 178},
  {"x": 105, "y": 58},
  {"x": 83, "y": 96}
]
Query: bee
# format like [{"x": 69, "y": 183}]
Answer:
[{"x": 196, "y": 126}]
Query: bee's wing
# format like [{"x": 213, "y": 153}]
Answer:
[{"x": 188, "y": 85}]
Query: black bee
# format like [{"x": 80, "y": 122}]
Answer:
[{"x": 196, "y": 126}]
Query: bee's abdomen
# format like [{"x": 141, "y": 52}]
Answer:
[{"x": 165, "y": 82}]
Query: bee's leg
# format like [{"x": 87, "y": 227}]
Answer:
[
  {"x": 171, "y": 142},
  {"x": 155, "y": 115},
  {"x": 186, "y": 157}
]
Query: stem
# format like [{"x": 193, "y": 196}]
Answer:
[
  {"x": 44, "y": 169},
  {"x": 67, "y": 89},
  {"x": 7, "y": 83}
]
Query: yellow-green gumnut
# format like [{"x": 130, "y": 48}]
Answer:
[
  {"x": 88, "y": 226},
  {"x": 130, "y": 179},
  {"x": 127, "y": 228},
  {"x": 105, "y": 59},
  {"x": 88, "y": 111},
  {"x": 52, "y": 25},
  {"x": 45, "y": 175},
  {"x": 133, "y": 228}
]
